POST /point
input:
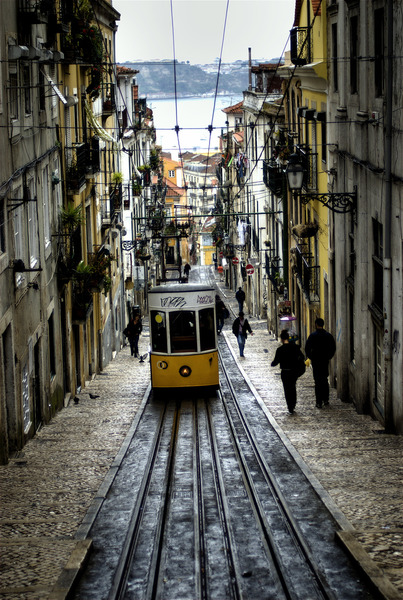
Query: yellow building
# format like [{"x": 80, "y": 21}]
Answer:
[
  {"x": 89, "y": 260},
  {"x": 306, "y": 96}
]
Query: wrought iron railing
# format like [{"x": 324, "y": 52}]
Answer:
[{"x": 273, "y": 177}]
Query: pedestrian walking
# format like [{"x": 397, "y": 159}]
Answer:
[
  {"x": 240, "y": 328},
  {"x": 240, "y": 296},
  {"x": 221, "y": 313},
  {"x": 132, "y": 332},
  {"x": 320, "y": 347},
  {"x": 290, "y": 359},
  {"x": 186, "y": 269}
]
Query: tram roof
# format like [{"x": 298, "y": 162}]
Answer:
[{"x": 183, "y": 288}]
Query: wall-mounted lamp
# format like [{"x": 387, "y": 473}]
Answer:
[{"x": 342, "y": 202}]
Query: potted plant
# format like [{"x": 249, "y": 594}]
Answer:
[
  {"x": 72, "y": 216},
  {"x": 117, "y": 178},
  {"x": 136, "y": 186}
]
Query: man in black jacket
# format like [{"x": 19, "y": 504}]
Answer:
[
  {"x": 320, "y": 347},
  {"x": 287, "y": 355},
  {"x": 240, "y": 296}
]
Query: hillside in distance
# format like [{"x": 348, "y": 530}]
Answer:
[{"x": 156, "y": 79}]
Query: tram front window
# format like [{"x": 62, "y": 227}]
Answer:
[
  {"x": 158, "y": 331},
  {"x": 183, "y": 331},
  {"x": 206, "y": 323}
]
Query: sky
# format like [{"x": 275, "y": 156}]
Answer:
[{"x": 145, "y": 29}]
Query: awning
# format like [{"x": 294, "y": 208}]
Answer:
[
  {"x": 99, "y": 130},
  {"x": 55, "y": 88}
]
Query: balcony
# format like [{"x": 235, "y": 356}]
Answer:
[
  {"x": 306, "y": 271},
  {"x": 93, "y": 156},
  {"x": 309, "y": 162},
  {"x": 108, "y": 100},
  {"x": 300, "y": 42},
  {"x": 273, "y": 177},
  {"x": 36, "y": 11},
  {"x": 76, "y": 167}
]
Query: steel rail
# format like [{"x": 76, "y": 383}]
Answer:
[
  {"x": 289, "y": 520},
  {"x": 121, "y": 575}
]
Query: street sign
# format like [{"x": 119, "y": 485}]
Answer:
[
  {"x": 250, "y": 269},
  {"x": 235, "y": 260}
]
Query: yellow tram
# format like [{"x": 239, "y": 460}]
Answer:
[{"x": 183, "y": 336}]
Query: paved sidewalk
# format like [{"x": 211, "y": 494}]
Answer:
[{"x": 46, "y": 491}]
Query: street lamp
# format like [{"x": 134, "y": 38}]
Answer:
[
  {"x": 342, "y": 202},
  {"x": 295, "y": 173}
]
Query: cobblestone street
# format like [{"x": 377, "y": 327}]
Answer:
[{"x": 47, "y": 489}]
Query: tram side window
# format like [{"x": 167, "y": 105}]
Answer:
[
  {"x": 206, "y": 323},
  {"x": 183, "y": 331},
  {"x": 158, "y": 331}
]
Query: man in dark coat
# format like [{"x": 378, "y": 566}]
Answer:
[
  {"x": 287, "y": 355},
  {"x": 240, "y": 296},
  {"x": 240, "y": 328},
  {"x": 320, "y": 348},
  {"x": 133, "y": 331}
]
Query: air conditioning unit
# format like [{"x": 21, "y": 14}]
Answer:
[{"x": 16, "y": 52}]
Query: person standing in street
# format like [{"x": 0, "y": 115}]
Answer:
[
  {"x": 186, "y": 269},
  {"x": 240, "y": 328},
  {"x": 240, "y": 296},
  {"x": 220, "y": 311},
  {"x": 132, "y": 332},
  {"x": 320, "y": 347},
  {"x": 287, "y": 356}
]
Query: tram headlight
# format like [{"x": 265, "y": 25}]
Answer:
[{"x": 185, "y": 371}]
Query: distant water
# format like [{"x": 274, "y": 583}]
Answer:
[{"x": 193, "y": 116}]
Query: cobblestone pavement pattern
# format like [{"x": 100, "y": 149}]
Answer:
[{"x": 46, "y": 490}]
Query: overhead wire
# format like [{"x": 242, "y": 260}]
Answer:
[{"x": 210, "y": 127}]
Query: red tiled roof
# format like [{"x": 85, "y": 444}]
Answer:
[
  {"x": 235, "y": 108},
  {"x": 316, "y": 8},
  {"x": 126, "y": 71}
]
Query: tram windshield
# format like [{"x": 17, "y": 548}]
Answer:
[
  {"x": 206, "y": 324},
  {"x": 158, "y": 331},
  {"x": 182, "y": 326}
]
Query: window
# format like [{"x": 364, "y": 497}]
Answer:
[
  {"x": 182, "y": 326},
  {"x": 379, "y": 42},
  {"x": 334, "y": 58},
  {"x": 206, "y": 324},
  {"x": 2, "y": 226},
  {"x": 158, "y": 331},
  {"x": 26, "y": 88},
  {"x": 52, "y": 353},
  {"x": 13, "y": 79},
  {"x": 26, "y": 411},
  {"x": 323, "y": 141},
  {"x": 171, "y": 173},
  {"x": 33, "y": 233},
  {"x": 46, "y": 207},
  {"x": 354, "y": 55},
  {"x": 18, "y": 227},
  {"x": 377, "y": 262},
  {"x": 351, "y": 325}
]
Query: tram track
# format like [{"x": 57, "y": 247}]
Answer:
[{"x": 208, "y": 505}]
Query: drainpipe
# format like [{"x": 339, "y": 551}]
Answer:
[
  {"x": 387, "y": 271},
  {"x": 250, "y": 69}
]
